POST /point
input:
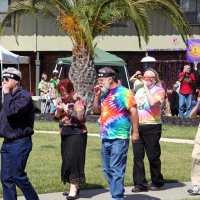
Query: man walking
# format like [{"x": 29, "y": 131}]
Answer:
[
  {"x": 16, "y": 127},
  {"x": 118, "y": 113}
]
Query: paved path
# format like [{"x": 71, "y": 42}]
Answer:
[
  {"x": 171, "y": 191},
  {"x": 162, "y": 139}
]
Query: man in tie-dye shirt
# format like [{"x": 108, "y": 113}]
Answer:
[{"x": 118, "y": 114}]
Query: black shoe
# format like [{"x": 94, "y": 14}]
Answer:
[
  {"x": 74, "y": 197},
  {"x": 138, "y": 189},
  {"x": 65, "y": 193},
  {"x": 153, "y": 187}
]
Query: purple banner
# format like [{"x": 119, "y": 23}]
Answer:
[{"x": 193, "y": 50}]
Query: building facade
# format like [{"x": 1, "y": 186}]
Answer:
[{"x": 44, "y": 43}]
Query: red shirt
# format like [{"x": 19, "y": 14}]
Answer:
[{"x": 185, "y": 87}]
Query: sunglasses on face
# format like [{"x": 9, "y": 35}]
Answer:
[
  {"x": 148, "y": 77},
  {"x": 5, "y": 78}
]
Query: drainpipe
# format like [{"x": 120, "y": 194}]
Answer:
[
  {"x": 37, "y": 70},
  {"x": 37, "y": 61}
]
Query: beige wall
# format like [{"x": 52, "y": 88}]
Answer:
[{"x": 44, "y": 35}]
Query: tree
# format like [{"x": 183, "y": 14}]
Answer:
[{"x": 83, "y": 20}]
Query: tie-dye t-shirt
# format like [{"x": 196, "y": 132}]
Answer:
[
  {"x": 115, "y": 120},
  {"x": 148, "y": 114}
]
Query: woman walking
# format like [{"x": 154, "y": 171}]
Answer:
[
  {"x": 70, "y": 111},
  {"x": 149, "y": 101}
]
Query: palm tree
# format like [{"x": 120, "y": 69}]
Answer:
[{"x": 83, "y": 20}]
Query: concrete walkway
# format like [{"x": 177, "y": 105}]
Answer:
[
  {"x": 184, "y": 141},
  {"x": 171, "y": 191}
]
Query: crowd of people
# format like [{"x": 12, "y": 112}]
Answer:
[{"x": 124, "y": 114}]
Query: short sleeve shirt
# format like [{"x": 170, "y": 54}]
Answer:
[
  {"x": 53, "y": 85},
  {"x": 115, "y": 120},
  {"x": 148, "y": 114},
  {"x": 43, "y": 85},
  {"x": 185, "y": 87}
]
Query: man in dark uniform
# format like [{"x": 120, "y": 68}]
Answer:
[{"x": 16, "y": 127}]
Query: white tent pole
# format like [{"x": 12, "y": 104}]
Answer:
[
  {"x": 127, "y": 77},
  {"x": 60, "y": 72}
]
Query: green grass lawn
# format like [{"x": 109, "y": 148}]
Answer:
[{"x": 44, "y": 163}]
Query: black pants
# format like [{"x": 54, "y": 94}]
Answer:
[
  {"x": 149, "y": 136},
  {"x": 174, "y": 112}
]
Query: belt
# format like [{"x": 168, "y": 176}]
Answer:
[
  {"x": 7, "y": 140},
  {"x": 72, "y": 126}
]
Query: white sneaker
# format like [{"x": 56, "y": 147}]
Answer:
[{"x": 195, "y": 190}]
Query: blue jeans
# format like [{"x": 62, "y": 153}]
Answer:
[
  {"x": 185, "y": 101},
  {"x": 114, "y": 157},
  {"x": 52, "y": 106},
  {"x": 14, "y": 156}
]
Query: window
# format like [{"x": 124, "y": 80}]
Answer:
[
  {"x": 3, "y": 8},
  {"x": 192, "y": 10}
]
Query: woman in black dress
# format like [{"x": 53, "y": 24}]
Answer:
[{"x": 70, "y": 111}]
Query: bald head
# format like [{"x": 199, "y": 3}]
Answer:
[{"x": 187, "y": 69}]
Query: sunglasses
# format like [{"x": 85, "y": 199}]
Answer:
[
  {"x": 148, "y": 77},
  {"x": 5, "y": 78}
]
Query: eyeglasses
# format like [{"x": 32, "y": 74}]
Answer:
[{"x": 148, "y": 77}]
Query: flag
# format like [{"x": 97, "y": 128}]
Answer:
[{"x": 193, "y": 50}]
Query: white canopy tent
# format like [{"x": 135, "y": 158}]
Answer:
[{"x": 7, "y": 57}]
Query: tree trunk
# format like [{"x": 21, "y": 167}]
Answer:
[{"x": 83, "y": 75}]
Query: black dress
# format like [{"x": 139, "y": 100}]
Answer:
[{"x": 73, "y": 149}]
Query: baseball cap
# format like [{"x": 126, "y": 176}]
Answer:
[{"x": 12, "y": 73}]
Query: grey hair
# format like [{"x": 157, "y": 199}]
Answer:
[{"x": 109, "y": 70}]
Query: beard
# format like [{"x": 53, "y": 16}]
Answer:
[{"x": 106, "y": 87}]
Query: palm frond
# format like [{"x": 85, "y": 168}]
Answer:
[{"x": 83, "y": 20}]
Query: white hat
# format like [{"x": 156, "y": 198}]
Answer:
[
  {"x": 12, "y": 73},
  {"x": 55, "y": 71}
]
